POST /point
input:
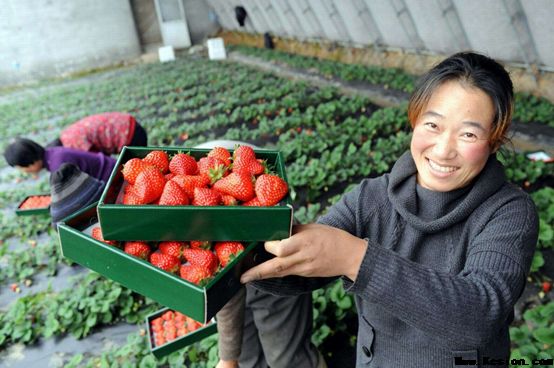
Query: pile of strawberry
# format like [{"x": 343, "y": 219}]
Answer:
[
  {"x": 194, "y": 261},
  {"x": 172, "y": 325},
  {"x": 213, "y": 180},
  {"x": 36, "y": 202}
]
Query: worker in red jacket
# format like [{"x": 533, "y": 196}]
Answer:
[{"x": 106, "y": 132}]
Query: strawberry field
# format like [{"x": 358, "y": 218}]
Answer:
[{"x": 330, "y": 141}]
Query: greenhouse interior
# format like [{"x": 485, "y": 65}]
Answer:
[{"x": 277, "y": 183}]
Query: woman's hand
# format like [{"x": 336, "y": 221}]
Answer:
[
  {"x": 227, "y": 364},
  {"x": 313, "y": 250}
]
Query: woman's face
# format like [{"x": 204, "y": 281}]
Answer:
[
  {"x": 33, "y": 168},
  {"x": 450, "y": 142}
]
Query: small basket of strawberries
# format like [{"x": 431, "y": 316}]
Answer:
[
  {"x": 170, "y": 330},
  {"x": 35, "y": 204}
]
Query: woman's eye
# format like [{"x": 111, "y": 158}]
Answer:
[
  {"x": 470, "y": 136},
  {"x": 431, "y": 125}
]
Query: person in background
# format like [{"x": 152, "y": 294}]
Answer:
[
  {"x": 71, "y": 190},
  {"x": 106, "y": 132},
  {"x": 30, "y": 157},
  {"x": 437, "y": 251},
  {"x": 260, "y": 330}
]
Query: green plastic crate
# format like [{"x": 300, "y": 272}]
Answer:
[
  {"x": 200, "y": 303},
  {"x": 180, "y": 342},
  {"x": 32, "y": 211},
  {"x": 217, "y": 223}
]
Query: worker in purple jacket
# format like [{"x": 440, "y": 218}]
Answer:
[{"x": 30, "y": 157}]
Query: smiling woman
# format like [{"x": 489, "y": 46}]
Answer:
[{"x": 437, "y": 251}]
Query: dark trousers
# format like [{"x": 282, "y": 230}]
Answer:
[
  {"x": 140, "y": 138},
  {"x": 277, "y": 332}
]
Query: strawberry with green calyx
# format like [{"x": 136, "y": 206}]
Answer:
[
  {"x": 270, "y": 189},
  {"x": 206, "y": 197},
  {"x": 227, "y": 251},
  {"x": 149, "y": 184},
  {"x": 97, "y": 234},
  {"x": 172, "y": 248},
  {"x": 183, "y": 164},
  {"x": 173, "y": 195},
  {"x": 158, "y": 159},
  {"x": 201, "y": 257},
  {"x": 238, "y": 185},
  {"x": 189, "y": 182},
  {"x": 138, "y": 249},
  {"x": 132, "y": 168},
  {"x": 222, "y": 154},
  {"x": 194, "y": 274},
  {"x": 212, "y": 167},
  {"x": 166, "y": 262}
]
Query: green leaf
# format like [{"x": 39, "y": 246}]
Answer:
[{"x": 545, "y": 334}]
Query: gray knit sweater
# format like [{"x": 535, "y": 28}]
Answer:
[{"x": 442, "y": 270}]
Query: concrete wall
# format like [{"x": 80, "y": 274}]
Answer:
[
  {"x": 44, "y": 38},
  {"x": 200, "y": 22}
]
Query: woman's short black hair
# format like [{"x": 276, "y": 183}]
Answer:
[{"x": 23, "y": 152}]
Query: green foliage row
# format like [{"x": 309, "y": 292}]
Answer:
[{"x": 528, "y": 108}]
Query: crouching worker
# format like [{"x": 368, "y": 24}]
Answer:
[
  {"x": 107, "y": 132},
  {"x": 71, "y": 190},
  {"x": 30, "y": 157}
]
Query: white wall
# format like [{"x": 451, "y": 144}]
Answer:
[
  {"x": 44, "y": 38},
  {"x": 516, "y": 31}
]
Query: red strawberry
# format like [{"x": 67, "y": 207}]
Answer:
[
  {"x": 183, "y": 164},
  {"x": 212, "y": 167},
  {"x": 149, "y": 184},
  {"x": 244, "y": 161},
  {"x": 228, "y": 200},
  {"x": 244, "y": 152},
  {"x": 137, "y": 248},
  {"x": 173, "y": 195},
  {"x": 168, "y": 316},
  {"x": 166, "y": 262},
  {"x": 222, "y": 154},
  {"x": 131, "y": 169},
  {"x": 189, "y": 182},
  {"x": 226, "y": 250},
  {"x": 237, "y": 185},
  {"x": 130, "y": 198},
  {"x": 173, "y": 248},
  {"x": 254, "y": 202},
  {"x": 192, "y": 325},
  {"x": 202, "y": 244},
  {"x": 270, "y": 189},
  {"x": 97, "y": 234},
  {"x": 158, "y": 159},
  {"x": 194, "y": 274},
  {"x": 206, "y": 197},
  {"x": 252, "y": 167},
  {"x": 201, "y": 257},
  {"x": 546, "y": 286}
]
